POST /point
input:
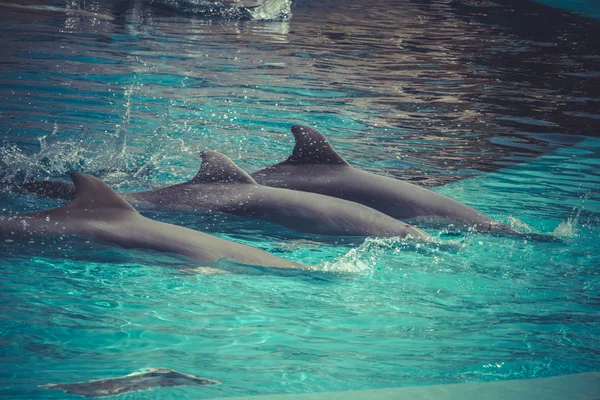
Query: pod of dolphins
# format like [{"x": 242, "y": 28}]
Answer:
[{"x": 314, "y": 191}]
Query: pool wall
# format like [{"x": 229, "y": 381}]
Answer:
[{"x": 566, "y": 387}]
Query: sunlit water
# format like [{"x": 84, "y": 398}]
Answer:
[{"x": 433, "y": 92}]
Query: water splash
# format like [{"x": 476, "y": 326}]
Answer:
[
  {"x": 367, "y": 257},
  {"x": 268, "y": 10},
  {"x": 107, "y": 156},
  {"x": 58, "y": 157},
  {"x": 568, "y": 229},
  {"x": 55, "y": 157},
  {"x": 205, "y": 8},
  {"x": 356, "y": 261},
  {"x": 519, "y": 225},
  {"x": 273, "y": 10}
]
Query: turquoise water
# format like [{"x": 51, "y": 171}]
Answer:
[
  {"x": 478, "y": 109},
  {"x": 588, "y": 8}
]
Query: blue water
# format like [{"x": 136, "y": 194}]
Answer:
[
  {"x": 588, "y": 8},
  {"x": 462, "y": 98}
]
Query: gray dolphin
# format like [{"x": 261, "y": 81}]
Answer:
[
  {"x": 97, "y": 212},
  {"x": 148, "y": 379},
  {"x": 314, "y": 166},
  {"x": 222, "y": 186}
]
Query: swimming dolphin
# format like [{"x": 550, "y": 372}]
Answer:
[
  {"x": 314, "y": 166},
  {"x": 97, "y": 212},
  {"x": 148, "y": 379},
  {"x": 222, "y": 186}
]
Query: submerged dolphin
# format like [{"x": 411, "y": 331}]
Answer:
[
  {"x": 97, "y": 212},
  {"x": 222, "y": 186},
  {"x": 135, "y": 382},
  {"x": 314, "y": 166}
]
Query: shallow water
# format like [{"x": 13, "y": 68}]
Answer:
[{"x": 431, "y": 91}]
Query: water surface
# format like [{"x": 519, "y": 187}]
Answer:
[{"x": 494, "y": 104}]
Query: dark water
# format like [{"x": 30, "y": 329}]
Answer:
[{"x": 477, "y": 84}]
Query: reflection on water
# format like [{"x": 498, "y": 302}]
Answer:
[{"x": 428, "y": 91}]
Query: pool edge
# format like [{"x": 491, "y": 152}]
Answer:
[{"x": 584, "y": 386}]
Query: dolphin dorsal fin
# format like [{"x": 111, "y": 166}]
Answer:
[
  {"x": 91, "y": 192},
  {"x": 218, "y": 168},
  {"x": 312, "y": 147}
]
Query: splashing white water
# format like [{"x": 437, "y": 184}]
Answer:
[
  {"x": 106, "y": 156},
  {"x": 356, "y": 261},
  {"x": 267, "y": 10},
  {"x": 568, "y": 229},
  {"x": 273, "y": 10},
  {"x": 519, "y": 225},
  {"x": 366, "y": 257}
]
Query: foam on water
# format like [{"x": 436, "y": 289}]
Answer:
[
  {"x": 271, "y": 10},
  {"x": 268, "y": 10}
]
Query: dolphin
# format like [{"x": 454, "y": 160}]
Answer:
[
  {"x": 148, "y": 379},
  {"x": 222, "y": 186},
  {"x": 99, "y": 213},
  {"x": 314, "y": 166}
]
